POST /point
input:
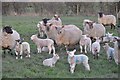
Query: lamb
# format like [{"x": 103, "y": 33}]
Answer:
[
  {"x": 22, "y": 47},
  {"x": 68, "y": 35},
  {"x": 77, "y": 59},
  {"x": 43, "y": 43},
  {"x": 8, "y": 37},
  {"x": 107, "y": 19},
  {"x": 109, "y": 37},
  {"x": 94, "y": 29},
  {"x": 110, "y": 51},
  {"x": 86, "y": 42},
  {"x": 96, "y": 48},
  {"x": 117, "y": 50},
  {"x": 51, "y": 61}
]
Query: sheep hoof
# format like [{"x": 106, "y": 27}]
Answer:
[{"x": 16, "y": 57}]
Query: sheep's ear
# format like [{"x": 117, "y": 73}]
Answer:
[
  {"x": 50, "y": 24},
  {"x": 74, "y": 50},
  {"x": 63, "y": 26}
]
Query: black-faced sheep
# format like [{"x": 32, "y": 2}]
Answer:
[{"x": 107, "y": 19}]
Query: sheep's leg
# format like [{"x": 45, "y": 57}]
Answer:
[
  {"x": 53, "y": 50},
  {"x": 39, "y": 50},
  {"x": 49, "y": 47},
  {"x": 16, "y": 54},
  {"x": 66, "y": 47},
  {"x": 81, "y": 48},
  {"x": 72, "y": 68},
  {"x": 85, "y": 49},
  {"x": 87, "y": 67}
]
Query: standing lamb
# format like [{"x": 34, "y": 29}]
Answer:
[
  {"x": 94, "y": 29},
  {"x": 117, "y": 50},
  {"x": 77, "y": 59},
  {"x": 51, "y": 61},
  {"x": 43, "y": 43},
  {"x": 86, "y": 42},
  {"x": 107, "y": 19},
  {"x": 22, "y": 47},
  {"x": 110, "y": 51},
  {"x": 96, "y": 48}
]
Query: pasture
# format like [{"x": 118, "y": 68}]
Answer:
[{"x": 33, "y": 67}]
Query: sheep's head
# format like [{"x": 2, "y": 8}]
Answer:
[
  {"x": 33, "y": 37},
  {"x": 56, "y": 17},
  {"x": 71, "y": 53},
  {"x": 7, "y": 29},
  {"x": 100, "y": 14},
  {"x": 56, "y": 56},
  {"x": 45, "y": 21}
]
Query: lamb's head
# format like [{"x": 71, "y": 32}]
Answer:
[
  {"x": 33, "y": 37},
  {"x": 97, "y": 39},
  {"x": 106, "y": 46},
  {"x": 56, "y": 56},
  {"x": 56, "y": 17},
  {"x": 109, "y": 35},
  {"x": 7, "y": 29},
  {"x": 45, "y": 21},
  {"x": 71, "y": 53}
]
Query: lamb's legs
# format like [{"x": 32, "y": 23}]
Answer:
[
  {"x": 49, "y": 47},
  {"x": 81, "y": 48},
  {"x": 53, "y": 50},
  {"x": 87, "y": 67},
  {"x": 16, "y": 54},
  {"x": 39, "y": 50},
  {"x": 72, "y": 68},
  {"x": 85, "y": 49}
]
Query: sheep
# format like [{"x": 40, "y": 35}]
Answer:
[
  {"x": 22, "y": 47},
  {"x": 51, "y": 61},
  {"x": 109, "y": 51},
  {"x": 77, "y": 59},
  {"x": 68, "y": 35},
  {"x": 85, "y": 41},
  {"x": 94, "y": 29},
  {"x": 107, "y": 19},
  {"x": 42, "y": 24},
  {"x": 8, "y": 37},
  {"x": 117, "y": 50},
  {"x": 96, "y": 48},
  {"x": 43, "y": 43}
]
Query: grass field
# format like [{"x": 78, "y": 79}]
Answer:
[{"x": 33, "y": 68}]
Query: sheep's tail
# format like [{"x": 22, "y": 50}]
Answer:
[{"x": 53, "y": 49}]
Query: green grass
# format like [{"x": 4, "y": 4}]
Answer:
[{"x": 33, "y": 68}]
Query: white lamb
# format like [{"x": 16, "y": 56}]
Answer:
[
  {"x": 85, "y": 41},
  {"x": 77, "y": 59},
  {"x": 109, "y": 50},
  {"x": 43, "y": 43},
  {"x": 21, "y": 48},
  {"x": 96, "y": 48},
  {"x": 51, "y": 61}
]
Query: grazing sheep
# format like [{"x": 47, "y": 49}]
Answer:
[
  {"x": 109, "y": 50},
  {"x": 86, "y": 42},
  {"x": 43, "y": 43},
  {"x": 107, "y": 19},
  {"x": 22, "y": 47},
  {"x": 8, "y": 37},
  {"x": 96, "y": 48},
  {"x": 77, "y": 59},
  {"x": 68, "y": 35},
  {"x": 117, "y": 50},
  {"x": 94, "y": 29},
  {"x": 51, "y": 61}
]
